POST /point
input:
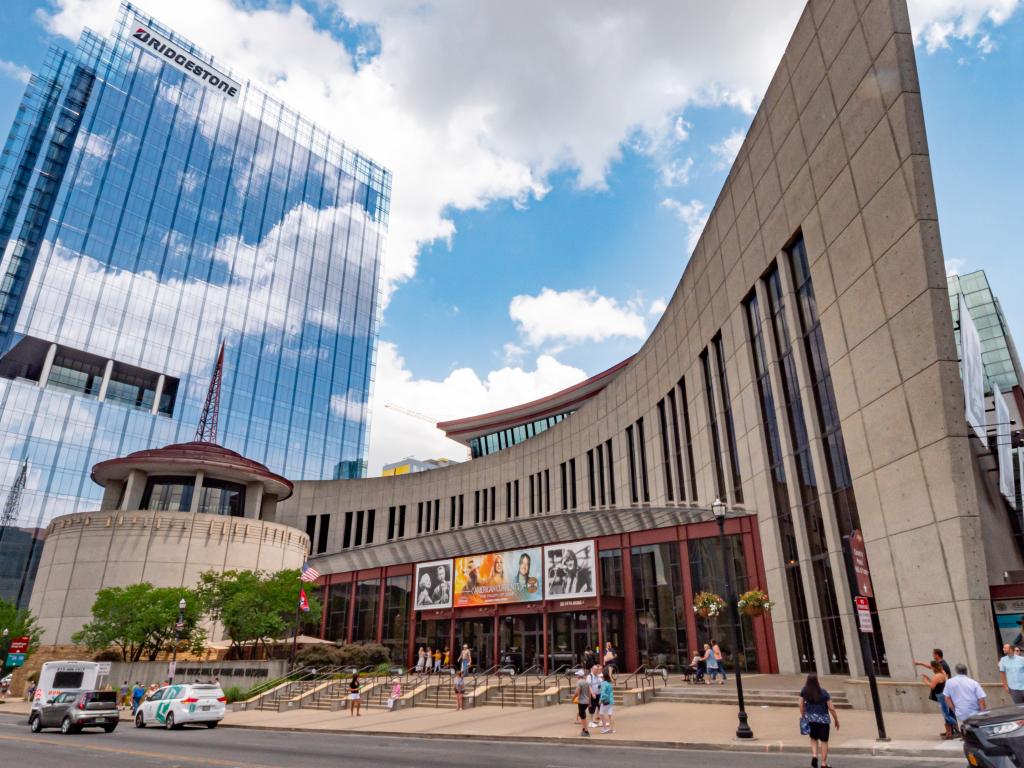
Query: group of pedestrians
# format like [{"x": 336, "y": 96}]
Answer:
[
  {"x": 959, "y": 696},
  {"x": 705, "y": 666},
  {"x": 432, "y": 659},
  {"x": 594, "y": 697}
]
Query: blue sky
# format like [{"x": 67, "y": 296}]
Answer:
[{"x": 523, "y": 163}]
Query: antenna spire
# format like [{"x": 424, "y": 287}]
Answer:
[
  {"x": 206, "y": 432},
  {"x": 13, "y": 505}
]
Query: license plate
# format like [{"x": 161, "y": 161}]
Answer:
[
  {"x": 207, "y": 707},
  {"x": 102, "y": 720}
]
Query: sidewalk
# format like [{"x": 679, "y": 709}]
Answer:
[{"x": 669, "y": 725}]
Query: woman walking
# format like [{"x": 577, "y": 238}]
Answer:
[
  {"x": 607, "y": 702},
  {"x": 717, "y": 652},
  {"x": 937, "y": 685},
  {"x": 710, "y": 664},
  {"x": 354, "y": 697},
  {"x": 459, "y": 684},
  {"x": 816, "y": 712},
  {"x": 421, "y": 658}
]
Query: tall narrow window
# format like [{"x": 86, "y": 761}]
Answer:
[
  {"x": 515, "y": 488},
  {"x": 401, "y": 521},
  {"x": 634, "y": 495},
  {"x": 391, "y": 523},
  {"x": 611, "y": 470},
  {"x": 437, "y": 513},
  {"x": 325, "y": 527},
  {"x": 508, "y": 500},
  {"x": 642, "y": 440},
  {"x": 730, "y": 429},
  {"x": 600, "y": 473},
  {"x": 346, "y": 538},
  {"x": 533, "y": 500},
  {"x": 716, "y": 443},
  {"x": 688, "y": 438},
  {"x": 592, "y": 486},
  {"x": 462, "y": 509},
  {"x": 836, "y": 462},
  {"x": 358, "y": 528},
  {"x": 476, "y": 507},
  {"x": 565, "y": 487},
  {"x": 666, "y": 454},
  {"x": 494, "y": 505},
  {"x": 547, "y": 490},
  {"x": 572, "y": 481},
  {"x": 311, "y": 528},
  {"x": 807, "y": 484},
  {"x": 371, "y": 520},
  {"x": 677, "y": 444},
  {"x": 451, "y": 512},
  {"x": 419, "y": 518}
]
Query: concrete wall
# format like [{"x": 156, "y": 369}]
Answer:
[
  {"x": 85, "y": 552},
  {"x": 837, "y": 151},
  {"x": 243, "y": 674}
]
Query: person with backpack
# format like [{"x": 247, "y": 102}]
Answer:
[
  {"x": 817, "y": 712},
  {"x": 607, "y": 699}
]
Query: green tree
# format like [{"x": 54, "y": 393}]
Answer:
[
  {"x": 253, "y": 606},
  {"x": 139, "y": 620},
  {"x": 19, "y": 622}
]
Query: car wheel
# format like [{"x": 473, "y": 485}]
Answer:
[
  {"x": 139, "y": 722},
  {"x": 66, "y": 726},
  {"x": 109, "y": 728},
  {"x": 212, "y": 724},
  {"x": 35, "y": 724},
  {"x": 169, "y": 722}
]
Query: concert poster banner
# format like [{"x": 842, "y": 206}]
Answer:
[{"x": 493, "y": 578}]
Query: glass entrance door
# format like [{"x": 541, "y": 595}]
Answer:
[
  {"x": 478, "y": 634},
  {"x": 569, "y": 636},
  {"x": 521, "y": 641}
]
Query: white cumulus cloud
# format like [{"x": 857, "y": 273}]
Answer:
[
  {"x": 461, "y": 393},
  {"x": 574, "y": 316},
  {"x": 693, "y": 214},
  {"x": 15, "y": 71},
  {"x": 938, "y": 22}
]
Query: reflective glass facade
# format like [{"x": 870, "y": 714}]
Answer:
[
  {"x": 506, "y": 438},
  {"x": 144, "y": 218}
]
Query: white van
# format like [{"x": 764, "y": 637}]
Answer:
[
  {"x": 175, "y": 705},
  {"x": 58, "y": 677}
]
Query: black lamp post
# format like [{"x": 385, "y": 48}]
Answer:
[
  {"x": 743, "y": 729},
  {"x": 3, "y": 653},
  {"x": 180, "y": 625}
]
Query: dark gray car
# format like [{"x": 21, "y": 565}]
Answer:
[{"x": 73, "y": 711}]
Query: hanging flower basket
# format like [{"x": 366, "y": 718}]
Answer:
[
  {"x": 755, "y": 603},
  {"x": 708, "y": 604}
]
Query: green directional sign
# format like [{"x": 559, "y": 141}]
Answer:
[{"x": 15, "y": 659}]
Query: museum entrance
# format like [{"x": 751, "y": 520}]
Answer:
[
  {"x": 521, "y": 641},
  {"x": 478, "y": 634},
  {"x": 431, "y": 634},
  {"x": 569, "y": 637}
]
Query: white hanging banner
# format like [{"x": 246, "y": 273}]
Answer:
[
  {"x": 973, "y": 372},
  {"x": 1004, "y": 448}
]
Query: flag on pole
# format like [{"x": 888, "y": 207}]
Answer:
[
  {"x": 303, "y": 602},
  {"x": 309, "y": 573}
]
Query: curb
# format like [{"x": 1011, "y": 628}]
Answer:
[{"x": 751, "y": 747}]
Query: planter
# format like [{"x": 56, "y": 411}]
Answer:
[{"x": 754, "y": 611}]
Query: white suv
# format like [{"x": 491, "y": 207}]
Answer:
[{"x": 174, "y": 705}]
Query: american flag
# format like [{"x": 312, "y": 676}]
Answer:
[{"x": 309, "y": 573}]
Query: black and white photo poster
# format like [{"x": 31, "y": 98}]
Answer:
[
  {"x": 569, "y": 570},
  {"x": 434, "y": 585}
]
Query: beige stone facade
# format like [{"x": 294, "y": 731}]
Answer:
[{"x": 836, "y": 155}]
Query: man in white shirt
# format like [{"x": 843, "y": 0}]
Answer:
[{"x": 964, "y": 696}]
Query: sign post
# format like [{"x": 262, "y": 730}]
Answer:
[{"x": 859, "y": 575}]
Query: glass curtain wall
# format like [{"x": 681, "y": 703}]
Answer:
[
  {"x": 395, "y": 634},
  {"x": 339, "y": 599},
  {"x": 797, "y": 599},
  {"x": 836, "y": 463},
  {"x": 364, "y": 628},
  {"x": 807, "y": 484},
  {"x": 659, "y": 607},
  {"x": 706, "y": 575}
]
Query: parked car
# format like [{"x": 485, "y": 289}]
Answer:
[
  {"x": 995, "y": 739},
  {"x": 72, "y": 711},
  {"x": 175, "y": 705}
]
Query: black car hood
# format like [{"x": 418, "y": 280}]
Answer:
[{"x": 994, "y": 716}]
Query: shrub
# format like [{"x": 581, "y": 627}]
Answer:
[
  {"x": 357, "y": 655},
  {"x": 318, "y": 656},
  {"x": 108, "y": 654},
  {"x": 234, "y": 693}
]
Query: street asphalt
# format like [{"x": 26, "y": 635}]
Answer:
[{"x": 128, "y": 747}]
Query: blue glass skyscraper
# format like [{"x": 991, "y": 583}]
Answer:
[{"x": 153, "y": 204}]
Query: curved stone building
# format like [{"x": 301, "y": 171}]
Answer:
[
  {"x": 805, "y": 373},
  {"x": 167, "y": 515}
]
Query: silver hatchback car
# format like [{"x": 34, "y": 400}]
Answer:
[{"x": 75, "y": 710}]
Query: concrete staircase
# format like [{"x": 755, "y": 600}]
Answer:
[
  {"x": 726, "y": 694},
  {"x": 274, "y": 699}
]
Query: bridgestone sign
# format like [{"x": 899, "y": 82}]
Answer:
[{"x": 169, "y": 53}]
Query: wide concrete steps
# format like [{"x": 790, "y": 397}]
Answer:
[
  {"x": 726, "y": 694},
  {"x": 296, "y": 689}
]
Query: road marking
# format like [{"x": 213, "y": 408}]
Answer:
[{"x": 76, "y": 744}]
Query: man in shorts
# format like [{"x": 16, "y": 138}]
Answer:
[{"x": 583, "y": 700}]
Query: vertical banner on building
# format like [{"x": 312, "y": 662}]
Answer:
[
  {"x": 512, "y": 576},
  {"x": 973, "y": 372},
  {"x": 1004, "y": 447},
  {"x": 569, "y": 570},
  {"x": 433, "y": 585}
]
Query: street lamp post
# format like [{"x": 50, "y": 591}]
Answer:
[
  {"x": 743, "y": 729},
  {"x": 180, "y": 625}
]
